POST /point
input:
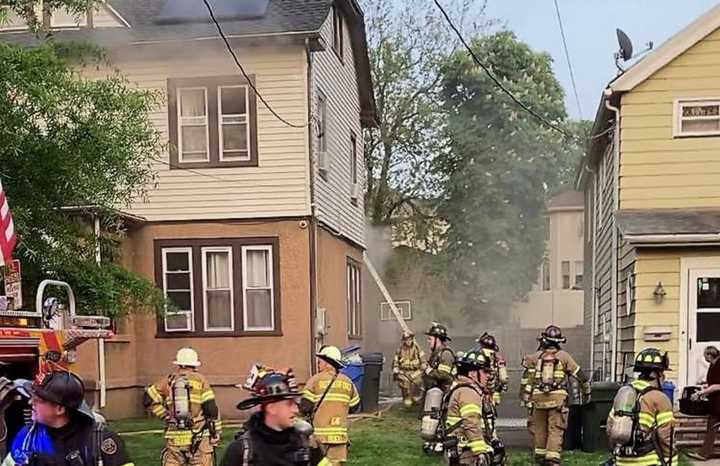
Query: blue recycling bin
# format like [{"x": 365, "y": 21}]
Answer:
[
  {"x": 354, "y": 368},
  {"x": 668, "y": 389}
]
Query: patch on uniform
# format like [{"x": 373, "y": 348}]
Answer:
[{"x": 109, "y": 447}]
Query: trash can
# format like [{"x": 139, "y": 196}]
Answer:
[
  {"x": 668, "y": 389},
  {"x": 370, "y": 393},
  {"x": 355, "y": 372},
  {"x": 594, "y": 417},
  {"x": 573, "y": 433}
]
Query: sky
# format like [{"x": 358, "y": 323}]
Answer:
[{"x": 590, "y": 32}]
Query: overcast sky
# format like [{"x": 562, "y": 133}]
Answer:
[{"x": 590, "y": 31}]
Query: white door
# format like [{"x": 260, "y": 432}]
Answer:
[{"x": 703, "y": 319}]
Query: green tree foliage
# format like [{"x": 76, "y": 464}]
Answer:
[
  {"x": 501, "y": 166},
  {"x": 67, "y": 141}
]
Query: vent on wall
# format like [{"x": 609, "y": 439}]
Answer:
[{"x": 195, "y": 11}]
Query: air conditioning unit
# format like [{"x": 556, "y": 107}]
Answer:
[
  {"x": 323, "y": 162},
  {"x": 355, "y": 192}
]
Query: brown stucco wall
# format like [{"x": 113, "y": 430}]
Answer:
[
  {"x": 333, "y": 253},
  {"x": 138, "y": 357}
]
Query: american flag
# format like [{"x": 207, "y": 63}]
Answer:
[{"x": 7, "y": 230}]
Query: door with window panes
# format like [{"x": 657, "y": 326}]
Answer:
[{"x": 703, "y": 319}]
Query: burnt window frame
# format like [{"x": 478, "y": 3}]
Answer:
[
  {"x": 212, "y": 85},
  {"x": 353, "y": 265},
  {"x": 338, "y": 38}
]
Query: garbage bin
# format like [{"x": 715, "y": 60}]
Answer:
[
  {"x": 355, "y": 370},
  {"x": 668, "y": 389},
  {"x": 370, "y": 393},
  {"x": 595, "y": 415},
  {"x": 573, "y": 433}
]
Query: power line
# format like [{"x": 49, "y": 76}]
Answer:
[
  {"x": 497, "y": 82},
  {"x": 567, "y": 57},
  {"x": 197, "y": 172},
  {"x": 242, "y": 70}
]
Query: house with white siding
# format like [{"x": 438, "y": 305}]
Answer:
[
  {"x": 652, "y": 260},
  {"x": 255, "y": 226}
]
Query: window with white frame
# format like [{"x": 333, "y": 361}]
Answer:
[
  {"x": 62, "y": 18},
  {"x": 338, "y": 33},
  {"x": 545, "y": 272},
  {"x": 565, "y": 269},
  {"x": 193, "y": 133},
  {"x": 700, "y": 117},
  {"x": 403, "y": 307},
  {"x": 322, "y": 122},
  {"x": 218, "y": 288},
  {"x": 630, "y": 292},
  {"x": 233, "y": 122},
  {"x": 353, "y": 160},
  {"x": 579, "y": 272},
  {"x": 258, "y": 293},
  {"x": 354, "y": 299},
  {"x": 178, "y": 288}
]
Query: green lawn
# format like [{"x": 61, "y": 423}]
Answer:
[{"x": 391, "y": 440}]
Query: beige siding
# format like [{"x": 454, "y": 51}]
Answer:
[
  {"x": 279, "y": 186},
  {"x": 338, "y": 82},
  {"x": 657, "y": 170}
]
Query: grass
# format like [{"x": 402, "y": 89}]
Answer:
[{"x": 391, "y": 440}]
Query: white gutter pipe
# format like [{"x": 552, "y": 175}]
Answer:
[
  {"x": 616, "y": 207},
  {"x": 101, "y": 341}
]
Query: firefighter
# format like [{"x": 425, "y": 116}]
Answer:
[
  {"x": 327, "y": 399},
  {"x": 440, "y": 370},
  {"x": 64, "y": 430},
  {"x": 548, "y": 395},
  {"x": 498, "y": 379},
  {"x": 467, "y": 415},
  {"x": 273, "y": 435},
  {"x": 641, "y": 424},
  {"x": 408, "y": 367},
  {"x": 186, "y": 402}
]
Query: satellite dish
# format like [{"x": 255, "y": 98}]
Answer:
[{"x": 626, "y": 48}]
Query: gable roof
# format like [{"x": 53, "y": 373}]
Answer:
[
  {"x": 668, "y": 51},
  {"x": 301, "y": 19}
]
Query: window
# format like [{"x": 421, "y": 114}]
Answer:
[
  {"x": 258, "y": 288},
  {"x": 353, "y": 160},
  {"x": 61, "y": 18},
  {"x": 545, "y": 270},
  {"x": 579, "y": 271},
  {"x": 629, "y": 293},
  {"x": 565, "y": 268},
  {"x": 338, "y": 34},
  {"x": 177, "y": 285},
  {"x": 322, "y": 122},
  {"x": 354, "y": 299},
  {"x": 213, "y": 122},
  {"x": 697, "y": 117},
  {"x": 234, "y": 293},
  {"x": 404, "y": 307},
  {"x": 218, "y": 288}
]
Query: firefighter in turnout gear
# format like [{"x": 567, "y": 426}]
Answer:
[
  {"x": 498, "y": 381},
  {"x": 186, "y": 402},
  {"x": 548, "y": 394},
  {"x": 408, "y": 367},
  {"x": 440, "y": 370},
  {"x": 467, "y": 416},
  {"x": 641, "y": 423},
  {"x": 273, "y": 436},
  {"x": 327, "y": 399}
]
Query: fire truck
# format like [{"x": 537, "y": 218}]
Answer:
[{"x": 38, "y": 341}]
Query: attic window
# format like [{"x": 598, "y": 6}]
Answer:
[{"x": 697, "y": 118}]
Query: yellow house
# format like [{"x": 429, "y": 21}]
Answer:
[{"x": 653, "y": 201}]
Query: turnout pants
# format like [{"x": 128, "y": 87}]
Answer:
[
  {"x": 547, "y": 429},
  {"x": 183, "y": 456},
  {"x": 336, "y": 453}
]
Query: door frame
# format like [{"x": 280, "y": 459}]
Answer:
[{"x": 687, "y": 264}]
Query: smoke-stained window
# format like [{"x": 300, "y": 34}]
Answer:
[
  {"x": 545, "y": 271},
  {"x": 354, "y": 299},
  {"x": 579, "y": 272},
  {"x": 565, "y": 268}
]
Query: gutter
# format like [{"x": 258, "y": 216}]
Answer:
[
  {"x": 616, "y": 207},
  {"x": 674, "y": 239}
]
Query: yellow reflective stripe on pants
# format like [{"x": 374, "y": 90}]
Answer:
[
  {"x": 552, "y": 455},
  {"x": 651, "y": 459},
  {"x": 324, "y": 462},
  {"x": 479, "y": 446},
  {"x": 540, "y": 452}
]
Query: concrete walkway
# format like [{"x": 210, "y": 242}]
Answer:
[{"x": 712, "y": 462}]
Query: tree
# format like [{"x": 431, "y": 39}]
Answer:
[
  {"x": 407, "y": 48},
  {"x": 501, "y": 166},
  {"x": 67, "y": 141}
]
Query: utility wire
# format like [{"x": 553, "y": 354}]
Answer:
[
  {"x": 497, "y": 82},
  {"x": 197, "y": 172},
  {"x": 242, "y": 70},
  {"x": 567, "y": 57}
]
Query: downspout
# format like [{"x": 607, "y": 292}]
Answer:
[
  {"x": 616, "y": 207},
  {"x": 313, "y": 226},
  {"x": 101, "y": 341},
  {"x": 593, "y": 299}
]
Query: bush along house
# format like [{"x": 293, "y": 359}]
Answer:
[
  {"x": 653, "y": 208},
  {"x": 255, "y": 227}
]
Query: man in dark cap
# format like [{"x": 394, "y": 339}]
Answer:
[{"x": 64, "y": 430}]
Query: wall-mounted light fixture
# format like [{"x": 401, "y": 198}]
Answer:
[{"x": 659, "y": 293}]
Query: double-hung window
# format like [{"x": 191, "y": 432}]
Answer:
[
  {"x": 177, "y": 281},
  {"x": 697, "y": 117}
]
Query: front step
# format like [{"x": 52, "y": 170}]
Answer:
[{"x": 690, "y": 431}]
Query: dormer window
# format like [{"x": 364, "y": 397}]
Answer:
[{"x": 699, "y": 117}]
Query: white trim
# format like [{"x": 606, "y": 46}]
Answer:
[
  {"x": 386, "y": 313},
  {"x": 189, "y": 314},
  {"x": 678, "y": 104},
  {"x": 673, "y": 238},
  {"x": 271, "y": 284},
  {"x": 668, "y": 51},
  {"x": 248, "y": 142},
  {"x": 686, "y": 264},
  {"x": 180, "y": 125},
  {"x": 228, "y": 250},
  {"x": 117, "y": 15},
  {"x": 234, "y": 36},
  {"x": 74, "y": 25}
]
